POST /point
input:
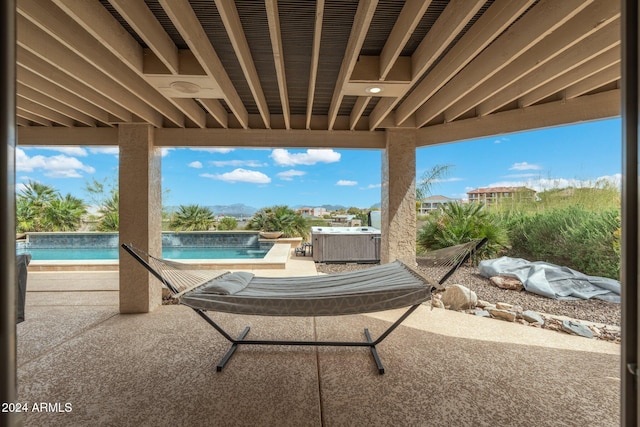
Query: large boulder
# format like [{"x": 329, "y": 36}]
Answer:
[
  {"x": 506, "y": 282},
  {"x": 458, "y": 297}
]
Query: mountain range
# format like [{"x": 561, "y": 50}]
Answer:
[{"x": 240, "y": 210}]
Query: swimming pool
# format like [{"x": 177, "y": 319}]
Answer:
[
  {"x": 175, "y": 245},
  {"x": 170, "y": 253}
]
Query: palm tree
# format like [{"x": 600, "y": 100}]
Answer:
[
  {"x": 110, "y": 210},
  {"x": 38, "y": 194},
  {"x": 192, "y": 218},
  {"x": 429, "y": 178},
  {"x": 457, "y": 223},
  {"x": 109, "y": 222},
  {"x": 40, "y": 207},
  {"x": 280, "y": 218},
  {"x": 25, "y": 218},
  {"x": 31, "y": 204},
  {"x": 64, "y": 214},
  {"x": 106, "y": 197}
]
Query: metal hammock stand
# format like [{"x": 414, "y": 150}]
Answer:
[{"x": 404, "y": 287}]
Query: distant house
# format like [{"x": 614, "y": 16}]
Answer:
[
  {"x": 494, "y": 195},
  {"x": 345, "y": 220},
  {"x": 316, "y": 212},
  {"x": 433, "y": 203}
]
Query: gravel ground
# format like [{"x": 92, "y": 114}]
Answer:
[{"x": 596, "y": 311}]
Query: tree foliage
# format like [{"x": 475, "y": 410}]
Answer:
[
  {"x": 579, "y": 238},
  {"x": 107, "y": 198},
  {"x": 41, "y": 207},
  {"x": 457, "y": 223},
  {"x": 228, "y": 223},
  {"x": 192, "y": 218},
  {"x": 429, "y": 178},
  {"x": 280, "y": 218}
]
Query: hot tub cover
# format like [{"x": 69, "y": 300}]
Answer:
[
  {"x": 378, "y": 288},
  {"x": 552, "y": 281}
]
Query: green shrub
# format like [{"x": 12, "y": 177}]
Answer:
[
  {"x": 457, "y": 223},
  {"x": 280, "y": 218},
  {"x": 192, "y": 218},
  {"x": 227, "y": 223},
  {"x": 576, "y": 237},
  {"x": 41, "y": 207}
]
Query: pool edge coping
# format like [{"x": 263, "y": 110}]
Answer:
[{"x": 276, "y": 258}]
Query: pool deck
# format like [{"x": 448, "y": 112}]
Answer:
[{"x": 158, "y": 369}]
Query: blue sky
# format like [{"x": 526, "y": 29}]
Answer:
[{"x": 576, "y": 155}]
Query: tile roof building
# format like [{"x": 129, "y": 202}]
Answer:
[{"x": 493, "y": 195}]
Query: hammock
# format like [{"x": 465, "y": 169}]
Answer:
[{"x": 379, "y": 288}]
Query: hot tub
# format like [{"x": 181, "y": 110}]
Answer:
[{"x": 346, "y": 244}]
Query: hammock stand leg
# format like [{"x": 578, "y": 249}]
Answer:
[
  {"x": 235, "y": 342},
  {"x": 231, "y": 350}
]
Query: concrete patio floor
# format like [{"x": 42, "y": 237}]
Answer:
[{"x": 156, "y": 369}]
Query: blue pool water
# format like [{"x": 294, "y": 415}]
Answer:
[
  {"x": 171, "y": 253},
  {"x": 175, "y": 245}
]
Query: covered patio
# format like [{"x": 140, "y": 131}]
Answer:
[
  {"x": 375, "y": 74},
  {"x": 157, "y": 369}
]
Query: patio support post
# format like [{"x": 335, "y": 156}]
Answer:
[
  {"x": 629, "y": 371},
  {"x": 140, "y": 216},
  {"x": 399, "y": 197},
  {"x": 8, "y": 381}
]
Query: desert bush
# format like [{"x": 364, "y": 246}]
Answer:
[
  {"x": 576, "y": 237},
  {"x": 280, "y": 218},
  {"x": 192, "y": 218},
  {"x": 227, "y": 223},
  {"x": 41, "y": 207},
  {"x": 456, "y": 223}
]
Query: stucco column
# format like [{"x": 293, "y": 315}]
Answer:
[
  {"x": 8, "y": 300},
  {"x": 399, "y": 197},
  {"x": 140, "y": 216}
]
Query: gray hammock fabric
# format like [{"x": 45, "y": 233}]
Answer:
[{"x": 378, "y": 288}]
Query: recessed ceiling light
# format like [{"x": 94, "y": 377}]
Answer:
[
  {"x": 374, "y": 89},
  {"x": 185, "y": 87}
]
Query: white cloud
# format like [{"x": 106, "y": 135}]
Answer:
[
  {"x": 240, "y": 175},
  {"x": 346, "y": 183},
  {"x": 283, "y": 157},
  {"x": 460, "y": 196},
  {"x": 521, "y": 175},
  {"x": 195, "y": 165},
  {"x": 164, "y": 152},
  {"x": 245, "y": 163},
  {"x": 290, "y": 174},
  {"x": 59, "y": 166},
  {"x": 524, "y": 166},
  {"x": 222, "y": 150},
  {"x": 500, "y": 140},
  {"x": 105, "y": 150},
  {"x": 439, "y": 180},
  {"x": 543, "y": 184},
  {"x": 372, "y": 186},
  {"x": 71, "y": 151}
]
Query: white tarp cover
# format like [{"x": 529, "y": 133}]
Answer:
[{"x": 551, "y": 280}]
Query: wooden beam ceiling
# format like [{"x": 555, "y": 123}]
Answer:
[{"x": 299, "y": 65}]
